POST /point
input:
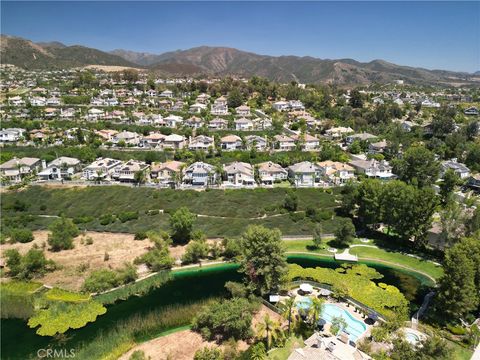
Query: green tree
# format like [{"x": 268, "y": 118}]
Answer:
[
  {"x": 230, "y": 318},
  {"x": 208, "y": 353},
  {"x": 32, "y": 264},
  {"x": 418, "y": 166},
  {"x": 287, "y": 307},
  {"x": 291, "y": 201},
  {"x": 263, "y": 259},
  {"x": 447, "y": 186},
  {"x": 317, "y": 236},
  {"x": 196, "y": 250},
  {"x": 181, "y": 225},
  {"x": 473, "y": 223},
  {"x": 269, "y": 330},
  {"x": 458, "y": 289},
  {"x": 338, "y": 323},
  {"x": 21, "y": 235},
  {"x": 235, "y": 98},
  {"x": 139, "y": 177},
  {"x": 62, "y": 233},
  {"x": 345, "y": 232}
]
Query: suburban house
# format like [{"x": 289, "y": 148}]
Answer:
[
  {"x": 167, "y": 173},
  {"x": 269, "y": 172},
  {"x": 338, "y": 132},
  {"x": 173, "y": 121},
  {"x": 471, "y": 111},
  {"x": 335, "y": 172},
  {"x": 257, "y": 142},
  {"x": 126, "y": 172},
  {"x": 197, "y": 108},
  {"x": 373, "y": 168},
  {"x": 11, "y": 135},
  {"x": 61, "y": 168},
  {"x": 360, "y": 137},
  {"x": 284, "y": 143},
  {"x": 194, "y": 122},
  {"x": 127, "y": 137},
  {"x": 102, "y": 168},
  {"x": 281, "y": 106},
  {"x": 474, "y": 182},
  {"x": 303, "y": 174},
  {"x": 218, "y": 124},
  {"x": 243, "y": 110},
  {"x": 219, "y": 106},
  {"x": 307, "y": 141},
  {"x": 166, "y": 94},
  {"x": 243, "y": 124},
  {"x": 106, "y": 134},
  {"x": 460, "y": 169},
  {"x": 174, "y": 141},
  {"x": 239, "y": 174},
  {"x": 231, "y": 142},
  {"x": 377, "y": 147},
  {"x": 15, "y": 169},
  {"x": 201, "y": 142},
  {"x": 200, "y": 174},
  {"x": 94, "y": 114},
  {"x": 153, "y": 140}
]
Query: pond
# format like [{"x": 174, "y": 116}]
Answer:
[{"x": 18, "y": 341}]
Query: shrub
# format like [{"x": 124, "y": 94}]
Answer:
[
  {"x": 61, "y": 234},
  {"x": 296, "y": 217},
  {"x": 181, "y": 223},
  {"x": 43, "y": 207},
  {"x": 28, "y": 266},
  {"x": 291, "y": 201},
  {"x": 140, "y": 235},
  {"x": 456, "y": 329},
  {"x": 157, "y": 259},
  {"x": 127, "y": 216},
  {"x": 231, "y": 248},
  {"x": 21, "y": 235},
  {"x": 88, "y": 241},
  {"x": 83, "y": 219},
  {"x": 107, "y": 219},
  {"x": 196, "y": 250}
]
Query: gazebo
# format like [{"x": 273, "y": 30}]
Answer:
[{"x": 306, "y": 288}]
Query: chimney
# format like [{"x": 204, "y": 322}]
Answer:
[{"x": 44, "y": 164}]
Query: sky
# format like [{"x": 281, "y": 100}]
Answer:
[{"x": 433, "y": 35}]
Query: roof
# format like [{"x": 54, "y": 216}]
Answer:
[
  {"x": 64, "y": 160},
  {"x": 174, "y": 138},
  {"x": 363, "y": 136},
  {"x": 303, "y": 167},
  {"x": 239, "y": 167},
  {"x": 230, "y": 138},
  {"x": 13, "y": 163},
  {"x": 169, "y": 165},
  {"x": 456, "y": 166},
  {"x": 284, "y": 138},
  {"x": 271, "y": 167}
]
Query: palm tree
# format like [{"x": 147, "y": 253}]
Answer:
[
  {"x": 269, "y": 329},
  {"x": 287, "y": 308},
  {"x": 315, "y": 310}
]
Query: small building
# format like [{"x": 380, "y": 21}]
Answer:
[
  {"x": 460, "y": 169},
  {"x": 62, "y": 168},
  {"x": 304, "y": 174},
  {"x": 102, "y": 168},
  {"x": 240, "y": 174},
  {"x": 270, "y": 172}
]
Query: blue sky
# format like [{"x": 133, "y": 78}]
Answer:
[{"x": 434, "y": 35}]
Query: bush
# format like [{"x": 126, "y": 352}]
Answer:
[
  {"x": 100, "y": 280},
  {"x": 107, "y": 219},
  {"x": 28, "y": 266},
  {"x": 21, "y": 235},
  {"x": 456, "y": 329},
  {"x": 88, "y": 241},
  {"x": 196, "y": 250},
  {"x": 296, "y": 217},
  {"x": 127, "y": 216},
  {"x": 231, "y": 248},
  {"x": 157, "y": 259},
  {"x": 226, "y": 319},
  {"x": 140, "y": 235},
  {"x": 291, "y": 201},
  {"x": 83, "y": 219},
  {"x": 62, "y": 232}
]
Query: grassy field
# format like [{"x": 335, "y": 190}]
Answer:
[
  {"x": 284, "y": 352},
  {"x": 221, "y": 213}
]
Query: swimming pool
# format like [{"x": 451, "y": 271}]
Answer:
[{"x": 355, "y": 328}]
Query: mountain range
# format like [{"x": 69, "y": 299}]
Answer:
[{"x": 223, "y": 61}]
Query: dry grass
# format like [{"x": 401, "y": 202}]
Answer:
[
  {"x": 110, "y": 68},
  {"x": 182, "y": 345},
  {"x": 76, "y": 264}
]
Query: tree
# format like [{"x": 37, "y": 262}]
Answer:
[
  {"x": 235, "y": 98},
  {"x": 139, "y": 177},
  {"x": 315, "y": 310},
  {"x": 28, "y": 266},
  {"x": 345, "y": 232},
  {"x": 368, "y": 200},
  {"x": 287, "y": 307},
  {"x": 159, "y": 258},
  {"x": 62, "y": 233},
  {"x": 21, "y": 235},
  {"x": 263, "y": 259},
  {"x": 181, "y": 224},
  {"x": 418, "y": 166},
  {"x": 458, "y": 289},
  {"x": 356, "y": 99},
  {"x": 291, "y": 201},
  {"x": 447, "y": 186},
  {"x": 270, "y": 330},
  {"x": 317, "y": 236},
  {"x": 338, "y": 323},
  {"x": 208, "y": 353},
  {"x": 230, "y": 318},
  {"x": 473, "y": 223},
  {"x": 452, "y": 220},
  {"x": 196, "y": 250},
  {"x": 256, "y": 352}
]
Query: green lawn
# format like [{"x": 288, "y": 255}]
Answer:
[
  {"x": 284, "y": 352},
  {"x": 460, "y": 353}
]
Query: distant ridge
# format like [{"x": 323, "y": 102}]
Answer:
[{"x": 223, "y": 61}]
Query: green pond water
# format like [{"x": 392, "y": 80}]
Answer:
[{"x": 18, "y": 341}]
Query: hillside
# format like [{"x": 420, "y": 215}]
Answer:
[
  {"x": 54, "y": 55},
  {"x": 223, "y": 61}
]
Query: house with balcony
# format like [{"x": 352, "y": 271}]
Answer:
[
  {"x": 126, "y": 137},
  {"x": 270, "y": 172},
  {"x": 11, "y": 135},
  {"x": 257, "y": 142},
  {"x": 14, "y": 170},
  {"x": 168, "y": 173},
  {"x": 243, "y": 110},
  {"x": 62, "y": 168},
  {"x": 304, "y": 174},
  {"x": 101, "y": 169},
  {"x": 231, "y": 143},
  {"x": 243, "y": 124},
  {"x": 373, "y": 168},
  {"x": 200, "y": 174},
  {"x": 284, "y": 143},
  {"x": 460, "y": 169},
  {"x": 335, "y": 173},
  {"x": 126, "y": 172},
  {"x": 218, "y": 124},
  {"x": 174, "y": 141}
]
